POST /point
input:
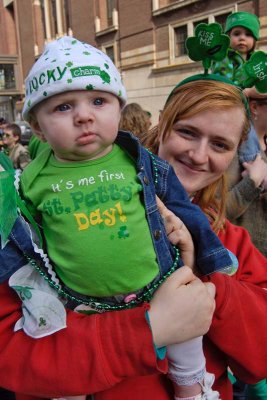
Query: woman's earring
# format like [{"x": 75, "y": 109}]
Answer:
[{"x": 255, "y": 117}]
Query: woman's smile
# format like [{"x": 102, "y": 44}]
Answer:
[
  {"x": 200, "y": 152},
  {"x": 190, "y": 167}
]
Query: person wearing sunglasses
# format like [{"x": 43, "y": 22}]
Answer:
[{"x": 247, "y": 199}]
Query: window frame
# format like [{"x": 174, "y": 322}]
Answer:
[
  {"x": 5, "y": 66},
  {"x": 107, "y": 45}
]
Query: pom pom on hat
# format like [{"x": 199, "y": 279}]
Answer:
[
  {"x": 68, "y": 64},
  {"x": 246, "y": 20}
]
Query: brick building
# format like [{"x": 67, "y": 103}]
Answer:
[{"x": 145, "y": 38}]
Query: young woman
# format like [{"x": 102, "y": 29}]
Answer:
[{"x": 201, "y": 127}]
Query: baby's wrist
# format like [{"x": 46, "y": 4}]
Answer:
[{"x": 159, "y": 350}]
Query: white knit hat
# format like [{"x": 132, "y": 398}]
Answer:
[{"x": 68, "y": 64}]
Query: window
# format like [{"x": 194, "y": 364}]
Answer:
[
  {"x": 221, "y": 19},
  {"x": 110, "y": 52},
  {"x": 180, "y": 35},
  {"x": 110, "y": 7},
  {"x": 67, "y": 15},
  {"x": 7, "y": 77},
  {"x": 55, "y": 17},
  {"x": 42, "y": 15},
  {"x": 203, "y": 21}
]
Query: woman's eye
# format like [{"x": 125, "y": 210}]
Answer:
[
  {"x": 99, "y": 101},
  {"x": 63, "y": 107},
  {"x": 220, "y": 146},
  {"x": 185, "y": 132}
]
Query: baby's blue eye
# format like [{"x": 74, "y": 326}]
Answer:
[
  {"x": 63, "y": 107},
  {"x": 98, "y": 101}
]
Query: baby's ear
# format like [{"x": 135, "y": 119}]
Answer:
[
  {"x": 36, "y": 129},
  {"x": 40, "y": 135}
]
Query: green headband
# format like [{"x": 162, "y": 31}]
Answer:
[
  {"x": 202, "y": 77},
  {"x": 210, "y": 77}
]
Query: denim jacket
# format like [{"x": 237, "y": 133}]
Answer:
[{"x": 157, "y": 178}]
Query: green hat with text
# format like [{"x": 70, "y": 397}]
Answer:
[{"x": 246, "y": 20}]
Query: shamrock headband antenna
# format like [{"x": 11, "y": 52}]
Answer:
[{"x": 210, "y": 44}]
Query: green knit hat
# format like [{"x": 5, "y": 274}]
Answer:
[{"x": 246, "y": 20}]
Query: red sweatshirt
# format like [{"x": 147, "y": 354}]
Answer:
[{"x": 97, "y": 352}]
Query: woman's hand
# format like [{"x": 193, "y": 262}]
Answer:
[
  {"x": 178, "y": 234},
  {"x": 256, "y": 170},
  {"x": 181, "y": 308}
]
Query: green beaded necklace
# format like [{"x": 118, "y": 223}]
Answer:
[{"x": 93, "y": 302}]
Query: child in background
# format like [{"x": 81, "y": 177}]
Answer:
[
  {"x": 135, "y": 120},
  {"x": 243, "y": 29},
  {"x": 95, "y": 185}
]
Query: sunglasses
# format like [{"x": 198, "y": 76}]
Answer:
[
  {"x": 259, "y": 101},
  {"x": 7, "y": 135}
]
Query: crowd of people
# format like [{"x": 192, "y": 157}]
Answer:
[{"x": 183, "y": 207}]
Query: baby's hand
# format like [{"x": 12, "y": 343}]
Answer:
[{"x": 178, "y": 234}]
